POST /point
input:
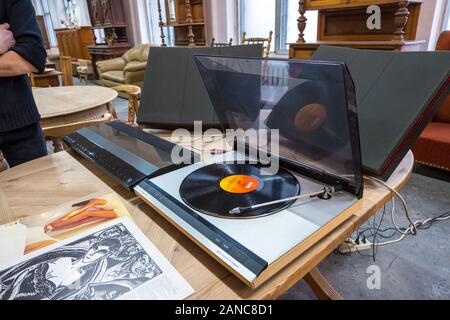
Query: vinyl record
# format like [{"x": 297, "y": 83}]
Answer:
[
  {"x": 219, "y": 188},
  {"x": 308, "y": 117}
]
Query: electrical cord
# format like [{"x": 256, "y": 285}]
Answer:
[
  {"x": 405, "y": 205},
  {"x": 375, "y": 231}
]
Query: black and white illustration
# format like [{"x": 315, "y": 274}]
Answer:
[{"x": 103, "y": 265}]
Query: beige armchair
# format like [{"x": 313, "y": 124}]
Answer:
[{"x": 128, "y": 69}]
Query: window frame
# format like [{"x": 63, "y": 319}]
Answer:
[
  {"x": 281, "y": 20},
  {"x": 168, "y": 31},
  {"x": 446, "y": 20},
  {"x": 49, "y": 23}
]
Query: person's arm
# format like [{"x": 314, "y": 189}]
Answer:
[
  {"x": 29, "y": 45},
  {"x": 12, "y": 64}
]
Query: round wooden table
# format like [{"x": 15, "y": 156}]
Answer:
[{"x": 62, "y": 108}]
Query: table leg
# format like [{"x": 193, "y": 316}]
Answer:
[
  {"x": 112, "y": 110},
  {"x": 57, "y": 145},
  {"x": 321, "y": 287},
  {"x": 3, "y": 163}
]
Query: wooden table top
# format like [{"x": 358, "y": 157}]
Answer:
[
  {"x": 60, "y": 101},
  {"x": 49, "y": 182}
]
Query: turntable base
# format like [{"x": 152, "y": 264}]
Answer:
[{"x": 253, "y": 249}]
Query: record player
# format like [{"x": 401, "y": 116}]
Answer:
[{"x": 252, "y": 220}]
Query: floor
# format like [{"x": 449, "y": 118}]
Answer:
[{"x": 416, "y": 268}]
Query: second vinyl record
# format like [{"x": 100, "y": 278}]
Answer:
[{"x": 219, "y": 188}]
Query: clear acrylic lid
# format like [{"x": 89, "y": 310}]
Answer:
[{"x": 311, "y": 103}]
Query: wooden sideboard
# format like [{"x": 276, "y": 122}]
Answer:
[
  {"x": 344, "y": 23},
  {"x": 74, "y": 42}
]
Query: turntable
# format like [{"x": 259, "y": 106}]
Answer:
[{"x": 255, "y": 221}]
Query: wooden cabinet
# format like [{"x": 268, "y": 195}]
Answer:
[
  {"x": 74, "y": 42},
  {"x": 344, "y": 23},
  {"x": 106, "y": 13},
  {"x": 330, "y": 4},
  {"x": 187, "y": 18}
]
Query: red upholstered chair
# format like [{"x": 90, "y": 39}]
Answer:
[{"x": 433, "y": 146}]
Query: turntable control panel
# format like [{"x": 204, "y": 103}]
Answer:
[
  {"x": 221, "y": 240},
  {"x": 126, "y": 153},
  {"x": 128, "y": 175}
]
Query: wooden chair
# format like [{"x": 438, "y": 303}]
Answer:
[
  {"x": 134, "y": 94},
  {"x": 218, "y": 44},
  {"x": 266, "y": 42},
  {"x": 66, "y": 69},
  {"x": 3, "y": 163},
  {"x": 85, "y": 70},
  {"x": 55, "y": 134}
]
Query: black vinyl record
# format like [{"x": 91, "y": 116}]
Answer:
[
  {"x": 219, "y": 188},
  {"x": 308, "y": 116}
]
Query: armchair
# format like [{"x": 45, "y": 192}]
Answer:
[{"x": 126, "y": 70}]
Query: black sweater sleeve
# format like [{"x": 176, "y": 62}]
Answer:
[{"x": 29, "y": 44}]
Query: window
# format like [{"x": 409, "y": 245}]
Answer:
[
  {"x": 446, "y": 25},
  {"x": 53, "y": 11},
  {"x": 45, "y": 11},
  {"x": 258, "y": 17},
  {"x": 153, "y": 23},
  {"x": 288, "y": 24}
]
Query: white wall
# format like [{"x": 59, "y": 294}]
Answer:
[{"x": 223, "y": 22}]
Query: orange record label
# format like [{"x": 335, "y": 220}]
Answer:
[
  {"x": 310, "y": 117},
  {"x": 239, "y": 184}
]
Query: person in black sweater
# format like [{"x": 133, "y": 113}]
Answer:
[{"x": 21, "y": 52}]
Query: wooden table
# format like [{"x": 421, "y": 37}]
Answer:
[
  {"x": 47, "y": 183},
  {"x": 61, "y": 107},
  {"x": 46, "y": 79}
]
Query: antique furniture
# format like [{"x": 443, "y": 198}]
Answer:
[
  {"x": 49, "y": 78},
  {"x": 84, "y": 70},
  {"x": 74, "y": 42},
  {"x": 66, "y": 69},
  {"x": 345, "y": 23},
  {"x": 107, "y": 16},
  {"x": 53, "y": 56},
  {"x": 51, "y": 181},
  {"x": 127, "y": 69},
  {"x": 187, "y": 18},
  {"x": 218, "y": 44},
  {"x": 134, "y": 94},
  {"x": 433, "y": 146},
  {"x": 266, "y": 42},
  {"x": 70, "y": 107}
]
